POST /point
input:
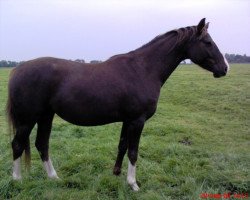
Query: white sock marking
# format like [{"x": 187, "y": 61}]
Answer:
[
  {"x": 50, "y": 169},
  {"x": 225, "y": 60},
  {"x": 131, "y": 177},
  {"x": 17, "y": 169}
]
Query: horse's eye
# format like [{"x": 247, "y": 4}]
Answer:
[{"x": 208, "y": 43}]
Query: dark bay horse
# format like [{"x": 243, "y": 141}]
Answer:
[{"x": 125, "y": 88}]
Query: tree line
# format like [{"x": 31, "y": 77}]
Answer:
[
  {"x": 7, "y": 63},
  {"x": 236, "y": 58},
  {"x": 231, "y": 58}
]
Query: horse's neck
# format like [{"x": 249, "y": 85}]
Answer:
[{"x": 161, "y": 57}]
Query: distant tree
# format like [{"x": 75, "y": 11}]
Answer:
[
  {"x": 95, "y": 61},
  {"x": 236, "y": 58},
  {"x": 4, "y": 63},
  {"x": 80, "y": 60}
]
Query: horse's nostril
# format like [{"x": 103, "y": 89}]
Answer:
[{"x": 225, "y": 70}]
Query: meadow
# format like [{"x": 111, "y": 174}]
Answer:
[{"x": 197, "y": 143}]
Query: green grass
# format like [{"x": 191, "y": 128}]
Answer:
[{"x": 197, "y": 142}]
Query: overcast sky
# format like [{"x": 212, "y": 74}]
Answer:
[{"x": 98, "y": 29}]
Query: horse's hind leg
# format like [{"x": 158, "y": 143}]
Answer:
[
  {"x": 19, "y": 144},
  {"x": 42, "y": 143}
]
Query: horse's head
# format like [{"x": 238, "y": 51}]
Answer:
[{"x": 203, "y": 51}]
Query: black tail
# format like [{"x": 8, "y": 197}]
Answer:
[{"x": 12, "y": 124}]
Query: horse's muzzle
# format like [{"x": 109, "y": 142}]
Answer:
[{"x": 218, "y": 74}]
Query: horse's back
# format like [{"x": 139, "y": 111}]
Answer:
[{"x": 41, "y": 72}]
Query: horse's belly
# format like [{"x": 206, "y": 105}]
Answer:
[
  {"x": 89, "y": 121},
  {"x": 89, "y": 116}
]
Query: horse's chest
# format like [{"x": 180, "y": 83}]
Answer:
[{"x": 136, "y": 106}]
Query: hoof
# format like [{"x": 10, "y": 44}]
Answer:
[
  {"x": 134, "y": 187},
  {"x": 54, "y": 177},
  {"x": 16, "y": 177},
  {"x": 117, "y": 171}
]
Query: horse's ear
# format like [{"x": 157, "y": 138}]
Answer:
[
  {"x": 201, "y": 25},
  {"x": 207, "y": 25}
]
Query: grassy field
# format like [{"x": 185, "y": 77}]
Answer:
[{"x": 197, "y": 142}]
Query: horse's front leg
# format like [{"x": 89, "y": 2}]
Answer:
[
  {"x": 134, "y": 133},
  {"x": 122, "y": 148}
]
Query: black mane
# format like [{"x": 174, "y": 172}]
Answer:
[{"x": 182, "y": 34}]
